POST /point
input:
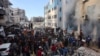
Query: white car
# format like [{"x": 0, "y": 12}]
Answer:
[
  {"x": 11, "y": 36},
  {"x": 4, "y": 49},
  {"x": 2, "y": 32}
]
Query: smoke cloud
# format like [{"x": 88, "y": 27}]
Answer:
[{"x": 70, "y": 12}]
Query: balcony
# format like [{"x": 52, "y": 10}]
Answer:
[{"x": 2, "y": 12}]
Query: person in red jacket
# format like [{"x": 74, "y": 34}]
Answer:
[
  {"x": 39, "y": 52},
  {"x": 26, "y": 51},
  {"x": 53, "y": 49}
]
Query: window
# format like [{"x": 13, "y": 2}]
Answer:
[
  {"x": 20, "y": 18},
  {"x": 55, "y": 16},
  {"x": 49, "y": 23},
  {"x": 49, "y": 17},
  {"x": 86, "y": 18},
  {"x": 55, "y": 25},
  {"x": 52, "y": 16},
  {"x": 52, "y": 1},
  {"x": 55, "y": 8},
  {"x": 1, "y": 17},
  {"x": 66, "y": 2},
  {"x": 12, "y": 14},
  {"x": 60, "y": 19},
  {"x": 49, "y": 11},
  {"x": 60, "y": 9},
  {"x": 90, "y": 10},
  {"x": 52, "y": 9}
]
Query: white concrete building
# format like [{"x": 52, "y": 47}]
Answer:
[
  {"x": 18, "y": 15},
  {"x": 51, "y": 14},
  {"x": 60, "y": 13},
  {"x": 37, "y": 22},
  {"x": 4, "y": 12}
]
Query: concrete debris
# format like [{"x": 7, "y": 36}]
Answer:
[{"x": 83, "y": 51}]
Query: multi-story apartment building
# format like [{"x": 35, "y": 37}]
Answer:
[
  {"x": 4, "y": 12},
  {"x": 51, "y": 13},
  {"x": 74, "y": 14},
  {"x": 37, "y": 22},
  {"x": 59, "y": 14},
  {"x": 18, "y": 15}
]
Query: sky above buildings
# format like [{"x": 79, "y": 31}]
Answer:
[{"x": 32, "y": 7}]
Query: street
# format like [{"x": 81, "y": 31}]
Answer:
[
  {"x": 25, "y": 43},
  {"x": 50, "y": 28}
]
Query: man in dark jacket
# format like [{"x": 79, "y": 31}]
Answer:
[{"x": 88, "y": 40}]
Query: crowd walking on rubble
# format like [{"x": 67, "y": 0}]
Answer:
[{"x": 45, "y": 43}]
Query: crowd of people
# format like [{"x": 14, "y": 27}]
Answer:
[{"x": 44, "y": 43}]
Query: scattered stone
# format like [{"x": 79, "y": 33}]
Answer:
[{"x": 83, "y": 51}]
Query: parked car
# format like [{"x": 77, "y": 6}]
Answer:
[
  {"x": 5, "y": 49},
  {"x": 11, "y": 36},
  {"x": 2, "y": 32}
]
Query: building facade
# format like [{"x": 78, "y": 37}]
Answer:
[
  {"x": 87, "y": 17},
  {"x": 37, "y": 22},
  {"x": 4, "y": 12},
  {"x": 74, "y": 15},
  {"x": 51, "y": 13},
  {"x": 60, "y": 13},
  {"x": 18, "y": 15}
]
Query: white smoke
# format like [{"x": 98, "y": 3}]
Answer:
[
  {"x": 70, "y": 7},
  {"x": 70, "y": 11}
]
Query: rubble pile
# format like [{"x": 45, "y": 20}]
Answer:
[{"x": 83, "y": 51}]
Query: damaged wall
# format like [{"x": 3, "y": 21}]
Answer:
[
  {"x": 92, "y": 10},
  {"x": 68, "y": 12}
]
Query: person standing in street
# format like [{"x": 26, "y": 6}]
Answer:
[
  {"x": 88, "y": 40},
  {"x": 39, "y": 51},
  {"x": 99, "y": 42},
  {"x": 65, "y": 51},
  {"x": 53, "y": 50},
  {"x": 26, "y": 51}
]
